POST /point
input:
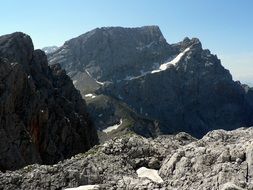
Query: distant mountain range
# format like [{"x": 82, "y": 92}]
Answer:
[
  {"x": 49, "y": 49},
  {"x": 179, "y": 87}
]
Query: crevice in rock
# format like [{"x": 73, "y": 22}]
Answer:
[{"x": 247, "y": 173}]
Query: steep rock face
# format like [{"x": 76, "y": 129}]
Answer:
[
  {"x": 112, "y": 53},
  {"x": 191, "y": 93},
  {"x": 220, "y": 160},
  {"x": 43, "y": 118},
  {"x": 249, "y": 94},
  {"x": 113, "y": 118},
  {"x": 180, "y": 86}
]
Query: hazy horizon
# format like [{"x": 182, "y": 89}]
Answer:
[{"x": 223, "y": 27}]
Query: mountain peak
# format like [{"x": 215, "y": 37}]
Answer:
[
  {"x": 16, "y": 38},
  {"x": 34, "y": 101},
  {"x": 16, "y": 47},
  {"x": 194, "y": 43},
  {"x": 147, "y": 27},
  {"x": 149, "y": 31},
  {"x": 171, "y": 83},
  {"x": 49, "y": 49},
  {"x": 103, "y": 51}
]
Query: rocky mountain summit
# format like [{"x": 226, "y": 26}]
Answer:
[
  {"x": 180, "y": 87},
  {"x": 43, "y": 118},
  {"x": 191, "y": 93},
  {"x": 111, "y": 53},
  {"x": 220, "y": 160},
  {"x": 49, "y": 49}
]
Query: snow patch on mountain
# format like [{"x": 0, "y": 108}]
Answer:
[
  {"x": 90, "y": 96},
  {"x": 142, "y": 73},
  {"x": 173, "y": 62},
  {"x": 136, "y": 77},
  {"x": 100, "y": 83},
  {"x": 113, "y": 127},
  {"x": 162, "y": 67}
]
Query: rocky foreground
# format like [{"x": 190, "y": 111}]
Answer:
[{"x": 220, "y": 160}]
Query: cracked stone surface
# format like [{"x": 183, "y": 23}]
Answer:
[{"x": 220, "y": 160}]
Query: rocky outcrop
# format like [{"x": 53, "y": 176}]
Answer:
[
  {"x": 109, "y": 165},
  {"x": 220, "y": 160},
  {"x": 192, "y": 93},
  {"x": 43, "y": 118},
  {"x": 113, "y": 118},
  {"x": 112, "y": 53},
  {"x": 180, "y": 86}
]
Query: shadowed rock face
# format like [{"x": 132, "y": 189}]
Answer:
[
  {"x": 43, "y": 118},
  {"x": 194, "y": 93},
  {"x": 111, "y": 53}
]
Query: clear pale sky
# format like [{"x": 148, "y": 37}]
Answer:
[{"x": 224, "y": 26}]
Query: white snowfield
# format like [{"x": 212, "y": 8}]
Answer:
[
  {"x": 173, "y": 62},
  {"x": 113, "y": 127},
  {"x": 74, "y": 81},
  {"x": 85, "y": 187},
  {"x": 162, "y": 67},
  {"x": 136, "y": 77},
  {"x": 149, "y": 173},
  {"x": 100, "y": 83},
  {"x": 90, "y": 96}
]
